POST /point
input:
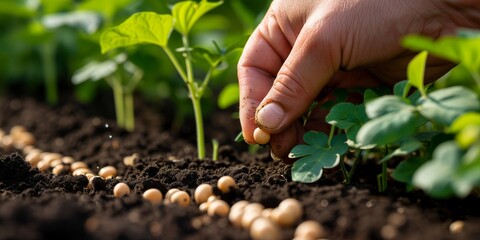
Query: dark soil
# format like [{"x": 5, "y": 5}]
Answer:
[{"x": 35, "y": 205}]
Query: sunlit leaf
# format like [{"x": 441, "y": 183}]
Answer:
[
  {"x": 228, "y": 96},
  {"x": 107, "y": 8},
  {"x": 416, "y": 71},
  {"x": 316, "y": 155},
  {"x": 459, "y": 49},
  {"x": 143, "y": 27},
  {"x": 186, "y": 13},
  {"x": 406, "y": 169}
]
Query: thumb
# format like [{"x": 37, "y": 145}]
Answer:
[{"x": 309, "y": 66}]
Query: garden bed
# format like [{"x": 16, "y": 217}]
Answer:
[{"x": 35, "y": 205}]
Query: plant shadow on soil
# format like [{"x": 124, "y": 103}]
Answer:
[{"x": 35, "y": 205}]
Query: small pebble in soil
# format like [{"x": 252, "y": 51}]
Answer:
[
  {"x": 181, "y": 198},
  {"x": 202, "y": 193},
  {"x": 310, "y": 230},
  {"x": 218, "y": 208},
  {"x": 457, "y": 226},
  {"x": 261, "y": 137},
  {"x": 107, "y": 172},
  {"x": 121, "y": 189},
  {"x": 225, "y": 183},
  {"x": 153, "y": 195},
  {"x": 264, "y": 229}
]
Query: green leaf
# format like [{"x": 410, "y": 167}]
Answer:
[
  {"x": 469, "y": 118},
  {"x": 460, "y": 49},
  {"x": 17, "y": 8},
  {"x": 407, "y": 147},
  {"x": 228, "y": 96},
  {"x": 436, "y": 176},
  {"x": 416, "y": 71},
  {"x": 369, "y": 95},
  {"x": 349, "y": 117},
  {"x": 316, "y": 155},
  {"x": 204, "y": 55},
  {"x": 406, "y": 169},
  {"x": 108, "y": 8},
  {"x": 143, "y": 27},
  {"x": 445, "y": 105},
  {"x": 391, "y": 120},
  {"x": 186, "y": 13}
]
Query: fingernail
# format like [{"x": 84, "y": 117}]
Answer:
[{"x": 270, "y": 116}]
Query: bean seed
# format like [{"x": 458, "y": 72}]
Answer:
[
  {"x": 283, "y": 217},
  {"x": 77, "y": 165},
  {"x": 204, "y": 206},
  {"x": 130, "y": 160},
  {"x": 181, "y": 198},
  {"x": 202, "y": 192},
  {"x": 457, "y": 226},
  {"x": 107, "y": 172},
  {"x": 310, "y": 230},
  {"x": 67, "y": 160},
  {"x": 43, "y": 165},
  {"x": 33, "y": 157},
  {"x": 260, "y": 136},
  {"x": 225, "y": 183},
  {"x": 153, "y": 195},
  {"x": 292, "y": 205},
  {"x": 168, "y": 195},
  {"x": 81, "y": 171},
  {"x": 264, "y": 229},
  {"x": 121, "y": 189},
  {"x": 249, "y": 217},
  {"x": 58, "y": 169},
  {"x": 218, "y": 208}
]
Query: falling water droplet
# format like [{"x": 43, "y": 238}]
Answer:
[
  {"x": 110, "y": 136},
  {"x": 106, "y": 125}
]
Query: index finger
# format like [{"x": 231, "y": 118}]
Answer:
[{"x": 263, "y": 55}]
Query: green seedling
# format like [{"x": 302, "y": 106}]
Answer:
[
  {"x": 153, "y": 28},
  {"x": 319, "y": 152},
  {"x": 123, "y": 76}
]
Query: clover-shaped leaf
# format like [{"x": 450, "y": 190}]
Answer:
[
  {"x": 348, "y": 117},
  {"x": 316, "y": 155}
]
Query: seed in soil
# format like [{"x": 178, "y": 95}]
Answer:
[
  {"x": 181, "y": 198},
  {"x": 168, "y": 195},
  {"x": 292, "y": 205},
  {"x": 253, "y": 207},
  {"x": 310, "y": 230},
  {"x": 55, "y": 163},
  {"x": 33, "y": 157},
  {"x": 67, "y": 160},
  {"x": 81, "y": 171},
  {"x": 130, "y": 160},
  {"x": 264, "y": 229},
  {"x": 107, "y": 172},
  {"x": 43, "y": 165},
  {"x": 27, "y": 149},
  {"x": 225, "y": 183},
  {"x": 58, "y": 169},
  {"x": 457, "y": 226},
  {"x": 89, "y": 176},
  {"x": 261, "y": 137},
  {"x": 204, "y": 206},
  {"x": 78, "y": 165},
  {"x": 218, "y": 208},
  {"x": 284, "y": 218},
  {"x": 202, "y": 193},
  {"x": 121, "y": 189},
  {"x": 212, "y": 198},
  {"x": 267, "y": 212},
  {"x": 50, "y": 157},
  {"x": 153, "y": 195},
  {"x": 248, "y": 217}
]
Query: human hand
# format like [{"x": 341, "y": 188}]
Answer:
[{"x": 303, "y": 47}]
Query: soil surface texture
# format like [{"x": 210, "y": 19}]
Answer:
[{"x": 41, "y": 205}]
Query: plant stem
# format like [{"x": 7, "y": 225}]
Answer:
[
  {"x": 119, "y": 101},
  {"x": 330, "y": 136},
  {"x": 195, "y": 96},
  {"x": 49, "y": 72},
  {"x": 382, "y": 178},
  {"x": 345, "y": 173},
  {"x": 176, "y": 64},
  {"x": 129, "y": 112},
  {"x": 215, "y": 149}
]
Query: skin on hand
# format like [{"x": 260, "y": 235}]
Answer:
[{"x": 299, "y": 49}]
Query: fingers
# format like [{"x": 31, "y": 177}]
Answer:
[
  {"x": 263, "y": 56},
  {"x": 307, "y": 69}
]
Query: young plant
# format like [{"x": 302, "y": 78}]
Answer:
[
  {"x": 153, "y": 28},
  {"x": 123, "y": 76},
  {"x": 441, "y": 126}
]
